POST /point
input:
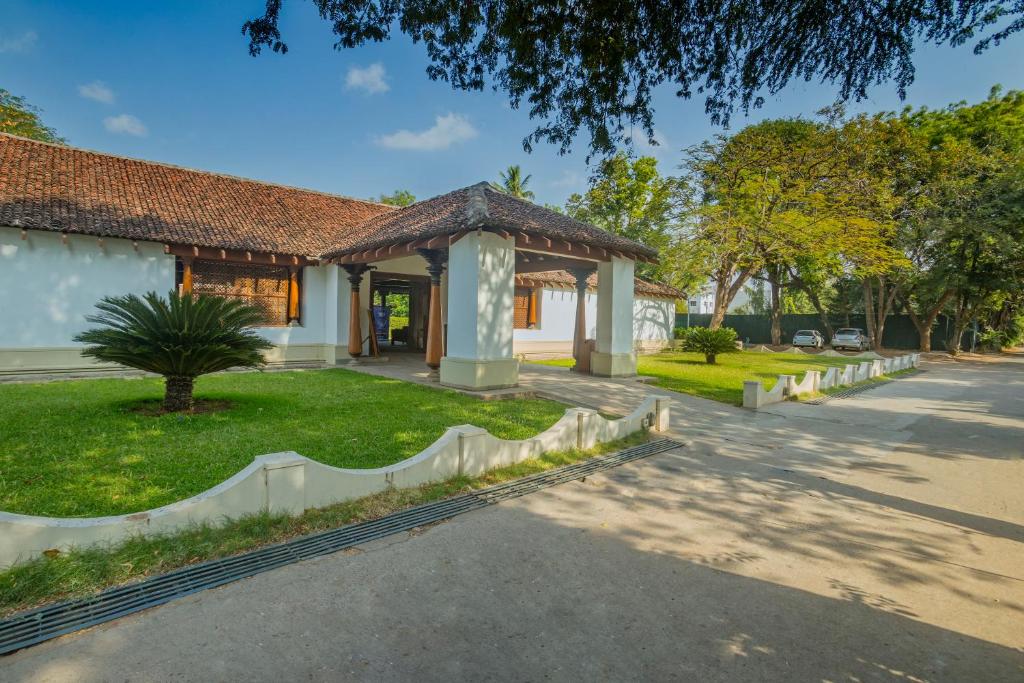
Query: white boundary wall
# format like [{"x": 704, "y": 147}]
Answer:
[
  {"x": 291, "y": 483},
  {"x": 756, "y": 396}
]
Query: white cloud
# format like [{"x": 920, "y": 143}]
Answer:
[
  {"x": 22, "y": 43},
  {"x": 570, "y": 179},
  {"x": 126, "y": 124},
  {"x": 640, "y": 140},
  {"x": 371, "y": 79},
  {"x": 446, "y": 131},
  {"x": 97, "y": 90}
]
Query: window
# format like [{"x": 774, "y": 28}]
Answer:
[
  {"x": 524, "y": 311},
  {"x": 268, "y": 287}
]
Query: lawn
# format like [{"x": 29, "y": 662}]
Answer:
[
  {"x": 687, "y": 373},
  {"x": 81, "y": 448},
  {"x": 83, "y": 571}
]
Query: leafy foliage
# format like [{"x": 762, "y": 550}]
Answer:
[
  {"x": 595, "y": 66},
  {"x": 710, "y": 342},
  {"x": 629, "y": 197},
  {"x": 180, "y": 337},
  {"x": 18, "y": 117},
  {"x": 398, "y": 198},
  {"x": 514, "y": 183}
]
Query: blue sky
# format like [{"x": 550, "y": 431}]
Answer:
[{"x": 174, "y": 82}]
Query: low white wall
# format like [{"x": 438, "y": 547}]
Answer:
[
  {"x": 290, "y": 483},
  {"x": 756, "y": 396}
]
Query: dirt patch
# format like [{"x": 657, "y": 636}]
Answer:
[{"x": 200, "y": 407}]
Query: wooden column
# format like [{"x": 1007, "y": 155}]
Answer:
[
  {"x": 579, "y": 337},
  {"x": 355, "y": 335},
  {"x": 186, "y": 275},
  {"x": 436, "y": 259},
  {"x": 531, "y": 309},
  {"x": 293, "y": 293}
]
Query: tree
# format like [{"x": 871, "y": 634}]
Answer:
[
  {"x": 629, "y": 197},
  {"x": 595, "y": 66},
  {"x": 180, "y": 337},
  {"x": 962, "y": 235},
  {"x": 18, "y": 117},
  {"x": 514, "y": 183},
  {"x": 778, "y": 193},
  {"x": 398, "y": 198}
]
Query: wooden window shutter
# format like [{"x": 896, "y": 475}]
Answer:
[{"x": 521, "y": 308}]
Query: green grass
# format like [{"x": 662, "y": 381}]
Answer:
[
  {"x": 77, "y": 449},
  {"x": 85, "y": 571},
  {"x": 687, "y": 373}
]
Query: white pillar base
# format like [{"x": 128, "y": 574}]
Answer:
[
  {"x": 469, "y": 373},
  {"x": 613, "y": 364}
]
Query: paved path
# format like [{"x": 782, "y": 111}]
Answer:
[{"x": 875, "y": 538}]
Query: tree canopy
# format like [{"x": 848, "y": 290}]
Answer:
[
  {"x": 594, "y": 66},
  {"x": 18, "y": 117},
  {"x": 398, "y": 198},
  {"x": 629, "y": 197},
  {"x": 513, "y": 182}
]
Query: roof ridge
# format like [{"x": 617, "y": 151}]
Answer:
[
  {"x": 165, "y": 164},
  {"x": 477, "y": 210}
]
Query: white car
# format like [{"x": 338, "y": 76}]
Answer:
[
  {"x": 851, "y": 338},
  {"x": 811, "y": 338}
]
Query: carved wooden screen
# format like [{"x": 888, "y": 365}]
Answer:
[{"x": 264, "y": 286}]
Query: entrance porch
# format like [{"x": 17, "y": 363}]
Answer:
[{"x": 457, "y": 257}]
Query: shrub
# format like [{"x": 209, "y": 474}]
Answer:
[
  {"x": 710, "y": 342},
  {"x": 679, "y": 332},
  {"x": 180, "y": 337}
]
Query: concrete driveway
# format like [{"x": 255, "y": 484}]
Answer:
[{"x": 874, "y": 538}]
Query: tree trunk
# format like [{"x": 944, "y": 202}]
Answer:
[
  {"x": 924, "y": 325},
  {"x": 776, "y": 311},
  {"x": 710, "y": 358},
  {"x": 178, "y": 394},
  {"x": 725, "y": 292},
  {"x": 869, "y": 308}
]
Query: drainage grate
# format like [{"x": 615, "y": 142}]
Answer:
[
  {"x": 48, "y": 622},
  {"x": 858, "y": 389}
]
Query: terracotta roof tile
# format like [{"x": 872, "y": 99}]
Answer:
[
  {"x": 56, "y": 188},
  {"x": 477, "y": 206}
]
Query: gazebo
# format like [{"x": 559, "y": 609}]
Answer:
[{"x": 471, "y": 244}]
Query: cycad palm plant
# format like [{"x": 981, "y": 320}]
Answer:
[{"x": 180, "y": 337}]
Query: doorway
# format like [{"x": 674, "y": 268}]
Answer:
[{"x": 400, "y": 306}]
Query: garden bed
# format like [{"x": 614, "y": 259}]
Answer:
[{"x": 91, "y": 447}]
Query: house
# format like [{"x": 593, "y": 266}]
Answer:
[{"x": 77, "y": 225}]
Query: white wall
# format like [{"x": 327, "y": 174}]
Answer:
[
  {"x": 49, "y": 287},
  {"x": 481, "y": 284},
  {"x": 557, "y": 317},
  {"x": 653, "y": 320}
]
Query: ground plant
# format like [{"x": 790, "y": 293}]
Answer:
[
  {"x": 180, "y": 338},
  {"x": 710, "y": 343}
]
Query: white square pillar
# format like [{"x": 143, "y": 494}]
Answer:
[
  {"x": 481, "y": 290},
  {"x": 614, "y": 356}
]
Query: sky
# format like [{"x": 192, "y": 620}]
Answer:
[{"x": 174, "y": 82}]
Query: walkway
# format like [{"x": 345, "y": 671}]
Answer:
[{"x": 875, "y": 538}]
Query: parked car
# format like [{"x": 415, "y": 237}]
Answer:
[
  {"x": 851, "y": 338},
  {"x": 810, "y": 338}
]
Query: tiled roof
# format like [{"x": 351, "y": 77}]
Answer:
[
  {"x": 560, "y": 278},
  {"x": 56, "y": 188},
  {"x": 477, "y": 206}
]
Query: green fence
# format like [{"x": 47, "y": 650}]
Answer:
[{"x": 899, "y": 332}]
